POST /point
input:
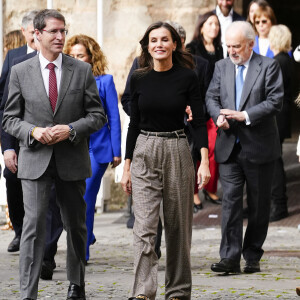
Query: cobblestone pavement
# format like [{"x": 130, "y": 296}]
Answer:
[{"x": 109, "y": 274}]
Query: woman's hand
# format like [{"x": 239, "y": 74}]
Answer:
[
  {"x": 126, "y": 178},
  {"x": 203, "y": 175},
  {"x": 116, "y": 161}
]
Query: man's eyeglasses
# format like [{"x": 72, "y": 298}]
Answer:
[
  {"x": 261, "y": 21},
  {"x": 56, "y": 31}
]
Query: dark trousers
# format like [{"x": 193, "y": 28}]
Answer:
[
  {"x": 233, "y": 175},
  {"x": 278, "y": 195},
  {"x": 14, "y": 201}
]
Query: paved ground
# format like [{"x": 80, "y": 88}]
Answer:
[{"x": 109, "y": 274}]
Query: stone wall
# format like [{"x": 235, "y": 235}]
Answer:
[{"x": 124, "y": 22}]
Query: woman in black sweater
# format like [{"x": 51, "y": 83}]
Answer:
[{"x": 162, "y": 169}]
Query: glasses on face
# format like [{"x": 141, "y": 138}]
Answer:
[
  {"x": 56, "y": 31},
  {"x": 261, "y": 21}
]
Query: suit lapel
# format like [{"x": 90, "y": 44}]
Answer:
[
  {"x": 66, "y": 76},
  {"x": 252, "y": 74},
  {"x": 230, "y": 83},
  {"x": 34, "y": 70}
]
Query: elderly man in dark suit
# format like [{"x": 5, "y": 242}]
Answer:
[
  {"x": 52, "y": 108},
  {"x": 13, "y": 185},
  {"x": 244, "y": 96}
]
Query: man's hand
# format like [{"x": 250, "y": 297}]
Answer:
[
  {"x": 222, "y": 122},
  {"x": 59, "y": 133},
  {"x": 233, "y": 114},
  {"x": 43, "y": 135},
  {"x": 11, "y": 160},
  {"x": 189, "y": 113},
  {"x": 117, "y": 160}
]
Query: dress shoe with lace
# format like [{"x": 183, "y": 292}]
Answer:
[
  {"x": 139, "y": 297},
  {"x": 226, "y": 265},
  {"x": 47, "y": 269},
  {"x": 76, "y": 292},
  {"x": 252, "y": 267},
  {"x": 14, "y": 245},
  {"x": 197, "y": 207},
  {"x": 208, "y": 198}
]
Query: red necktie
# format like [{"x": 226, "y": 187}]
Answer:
[{"x": 52, "y": 86}]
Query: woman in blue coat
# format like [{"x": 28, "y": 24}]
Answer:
[{"x": 105, "y": 144}]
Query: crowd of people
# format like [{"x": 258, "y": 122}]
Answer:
[{"x": 217, "y": 109}]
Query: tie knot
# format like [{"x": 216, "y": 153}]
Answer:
[
  {"x": 51, "y": 66},
  {"x": 241, "y": 68}
]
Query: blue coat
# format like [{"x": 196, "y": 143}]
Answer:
[
  {"x": 256, "y": 49},
  {"x": 106, "y": 143}
]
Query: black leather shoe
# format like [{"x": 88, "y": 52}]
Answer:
[
  {"x": 197, "y": 207},
  {"x": 76, "y": 292},
  {"x": 14, "y": 245},
  {"x": 276, "y": 216},
  {"x": 226, "y": 265},
  {"x": 208, "y": 198},
  {"x": 139, "y": 297},
  {"x": 252, "y": 267},
  {"x": 47, "y": 269}
]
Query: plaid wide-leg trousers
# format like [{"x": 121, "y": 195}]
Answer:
[{"x": 162, "y": 171}]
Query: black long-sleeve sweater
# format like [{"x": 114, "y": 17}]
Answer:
[{"x": 158, "y": 104}]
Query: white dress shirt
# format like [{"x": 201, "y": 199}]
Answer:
[
  {"x": 29, "y": 49},
  {"x": 224, "y": 22},
  {"x": 246, "y": 65},
  {"x": 45, "y": 71},
  {"x": 298, "y": 147}
]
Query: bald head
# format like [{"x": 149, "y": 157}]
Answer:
[{"x": 240, "y": 38}]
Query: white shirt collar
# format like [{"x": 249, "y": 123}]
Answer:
[
  {"x": 220, "y": 14},
  {"x": 29, "y": 49},
  {"x": 44, "y": 62}
]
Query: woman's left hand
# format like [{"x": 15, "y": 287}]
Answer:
[
  {"x": 116, "y": 161},
  {"x": 203, "y": 175}
]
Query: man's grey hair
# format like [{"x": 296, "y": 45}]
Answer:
[
  {"x": 28, "y": 18},
  {"x": 180, "y": 30},
  {"x": 246, "y": 27}
]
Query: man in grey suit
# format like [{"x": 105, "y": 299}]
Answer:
[
  {"x": 52, "y": 108},
  {"x": 244, "y": 96}
]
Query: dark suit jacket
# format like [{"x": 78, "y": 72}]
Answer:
[
  {"x": 8, "y": 63},
  {"x": 235, "y": 16},
  {"x": 261, "y": 98},
  {"x": 8, "y": 141},
  {"x": 78, "y": 104},
  {"x": 283, "y": 118}
]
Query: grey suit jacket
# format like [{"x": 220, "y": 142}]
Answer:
[
  {"x": 261, "y": 98},
  {"x": 28, "y": 106}
]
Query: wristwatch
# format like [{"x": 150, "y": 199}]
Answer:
[{"x": 72, "y": 133}]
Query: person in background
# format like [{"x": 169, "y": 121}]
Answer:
[
  {"x": 253, "y": 6},
  {"x": 226, "y": 16},
  {"x": 244, "y": 96},
  {"x": 263, "y": 19},
  {"x": 105, "y": 144},
  {"x": 206, "y": 43},
  {"x": 13, "y": 39},
  {"x": 280, "y": 39},
  {"x": 162, "y": 170}
]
